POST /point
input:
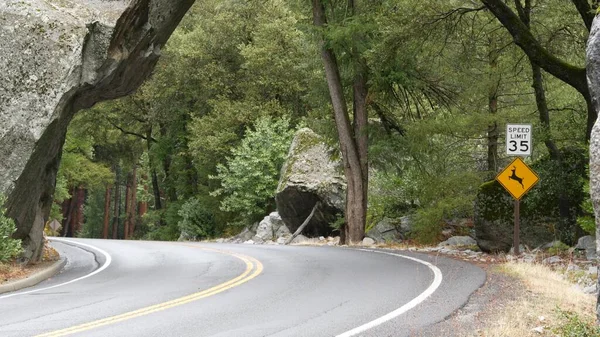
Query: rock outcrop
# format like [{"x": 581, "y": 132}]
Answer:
[
  {"x": 308, "y": 176},
  {"x": 271, "y": 228},
  {"x": 57, "y": 57},
  {"x": 593, "y": 78},
  {"x": 390, "y": 230}
]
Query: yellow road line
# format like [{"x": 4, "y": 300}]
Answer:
[{"x": 253, "y": 269}]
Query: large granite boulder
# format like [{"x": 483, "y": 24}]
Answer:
[
  {"x": 57, "y": 57},
  {"x": 593, "y": 79},
  {"x": 308, "y": 176}
]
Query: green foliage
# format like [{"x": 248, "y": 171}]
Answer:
[
  {"x": 558, "y": 248},
  {"x": 155, "y": 228},
  {"x": 250, "y": 176},
  {"x": 196, "y": 221},
  {"x": 562, "y": 186},
  {"x": 9, "y": 247},
  {"x": 587, "y": 220},
  {"x": 572, "y": 325},
  {"x": 93, "y": 212}
]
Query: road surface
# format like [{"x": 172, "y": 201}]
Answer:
[{"x": 142, "y": 288}]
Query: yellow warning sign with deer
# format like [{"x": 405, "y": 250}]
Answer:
[{"x": 517, "y": 178}]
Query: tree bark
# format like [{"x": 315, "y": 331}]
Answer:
[
  {"x": 303, "y": 225},
  {"x": 523, "y": 37},
  {"x": 355, "y": 196},
  {"x": 133, "y": 202},
  {"x": 155, "y": 186},
  {"x": 106, "y": 212},
  {"x": 117, "y": 206},
  {"x": 67, "y": 219},
  {"x": 78, "y": 216},
  {"x": 492, "y": 132},
  {"x": 127, "y": 221}
]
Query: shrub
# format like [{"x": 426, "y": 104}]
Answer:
[
  {"x": 196, "y": 222},
  {"x": 9, "y": 247},
  {"x": 250, "y": 176},
  {"x": 161, "y": 225},
  {"x": 575, "y": 326},
  {"x": 587, "y": 220}
]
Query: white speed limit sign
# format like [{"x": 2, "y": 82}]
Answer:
[{"x": 518, "y": 139}]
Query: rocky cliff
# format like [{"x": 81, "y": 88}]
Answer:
[
  {"x": 57, "y": 57},
  {"x": 593, "y": 77}
]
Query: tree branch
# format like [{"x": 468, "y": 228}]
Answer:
[
  {"x": 570, "y": 74},
  {"x": 131, "y": 133},
  {"x": 586, "y": 12}
]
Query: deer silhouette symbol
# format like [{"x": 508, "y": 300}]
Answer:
[{"x": 515, "y": 178}]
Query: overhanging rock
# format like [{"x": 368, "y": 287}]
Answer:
[
  {"x": 310, "y": 175},
  {"x": 57, "y": 57}
]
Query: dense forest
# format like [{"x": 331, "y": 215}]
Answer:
[{"x": 425, "y": 86}]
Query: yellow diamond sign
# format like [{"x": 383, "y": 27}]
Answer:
[{"x": 517, "y": 178}]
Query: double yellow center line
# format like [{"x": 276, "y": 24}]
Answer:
[{"x": 253, "y": 269}]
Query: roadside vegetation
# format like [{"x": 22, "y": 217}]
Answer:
[
  {"x": 199, "y": 146},
  {"x": 549, "y": 305}
]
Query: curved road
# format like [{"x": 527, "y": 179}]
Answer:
[{"x": 145, "y": 288}]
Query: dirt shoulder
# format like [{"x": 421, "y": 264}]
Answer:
[
  {"x": 14, "y": 271},
  {"x": 522, "y": 299}
]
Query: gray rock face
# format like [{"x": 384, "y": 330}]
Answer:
[
  {"x": 271, "y": 228},
  {"x": 459, "y": 241},
  {"x": 367, "y": 241},
  {"x": 588, "y": 243},
  {"x": 307, "y": 177},
  {"x": 593, "y": 78},
  {"x": 390, "y": 230},
  {"x": 57, "y": 57}
]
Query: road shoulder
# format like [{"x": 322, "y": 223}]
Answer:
[{"x": 46, "y": 272}]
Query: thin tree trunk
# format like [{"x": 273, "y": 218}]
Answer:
[
  {"x": 493, "y": 132},
  {"x": 524, "y": 38},
  {"x": 127, "y": 206},
  {"x": 355, "y": 198},
  {"x": 303, "y": 225},
  {"x": 106, "y": 212},
  {"x": 117, "y": 205},
  {"x": 361, "y": 137},
  {"x": 67, "y": 223},
  {"x": 78, "y": 216},
  {"x": 544, "y": 115},
  {"x": 155, "y": 186},
  {"x": 133, "y": 202}
]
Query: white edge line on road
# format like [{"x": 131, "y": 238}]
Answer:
[
  {"x": 104, "y": 266},
  {"x": 437, "y": 280}
]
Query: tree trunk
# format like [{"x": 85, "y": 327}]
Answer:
[
  {"x": 106, "y": 213},
  {"x": 155, "y": 186},
  {"x": 361, "y": 137},
  {"x": 493, "y": 132},
  {"x": 78, "y": 216},
  {"x": 355, "y": 192},
  {"x": 522, "y": 36},
  {"x": 117, "y": 206},
  {"x": 127, "y": 221},
  {"x": 67, "y": 228},
  {"x": 133, "y": 202}
]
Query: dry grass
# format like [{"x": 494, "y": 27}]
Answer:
[
  {"x": 12, "y": 271},
  {"x": 546, "y": 293}
]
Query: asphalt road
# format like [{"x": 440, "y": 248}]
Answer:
[{"x": 140, "y": 288}]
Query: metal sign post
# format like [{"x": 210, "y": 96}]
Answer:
[
  {"x": 517, "y": 230},
  {"x": 517, "y": 178}
]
